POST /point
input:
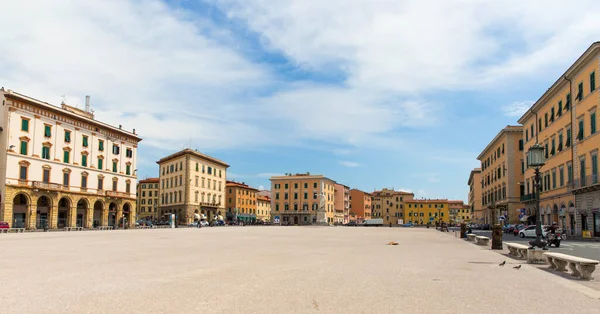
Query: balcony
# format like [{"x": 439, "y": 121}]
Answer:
[
  {"x": 209, "y": 204},
  {"x": 116, "y": 194},
  {"x": 48, "y": 186},
  {"x": 528, "y": 197},
  {"x": 586, "y": 184}
]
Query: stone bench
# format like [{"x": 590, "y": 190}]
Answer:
[
  {"x": 73, "y": 228},
  {"x": 4, "y": 230},
  {"x": 517, "y": 250},
  {"x": 481, "y": 240},
  {"x": 535, "y": 256},
  {"x": 471, "y": 237},
  {"x": 105, "y": 228},
  {"x": 144, "y": 227},
  {"x": 16, "y": 230},
  {"x": 580, "y": 267}
]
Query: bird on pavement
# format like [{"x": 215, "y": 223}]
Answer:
[
  {"x": 517, "y": 267},
  {"x": 502, "y": 264}
]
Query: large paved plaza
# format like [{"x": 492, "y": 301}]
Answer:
[{"x": 272, "y": 270}]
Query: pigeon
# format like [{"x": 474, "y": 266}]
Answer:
[
  {"x": 517, "y": 267},
  {"x": 502, "y": 264}
]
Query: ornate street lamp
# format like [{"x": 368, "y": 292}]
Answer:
[{"x": 536, "y": 160}]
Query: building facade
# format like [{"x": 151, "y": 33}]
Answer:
[
  {"x": 241, "y": 202},
  {"x": 475, "y": 183},
  {"x": 263, "y": 208},
  {"x": 192, "y": 184},
  {"x": 341, "y": 204},
  {"x": 454, "y": 209},
  {"x": 502, "y": 170},
  {"x": 147, "y": 198},
  {"x": 302, "y": 199},
  {"x": 63, "y": 168},
  {"x": 388, "y": 205},
  {"x": 424, "y": 211},
  {"x": 360, "y": 206}
]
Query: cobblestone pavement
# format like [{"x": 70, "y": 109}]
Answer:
[{"x": 272, "y": 270}]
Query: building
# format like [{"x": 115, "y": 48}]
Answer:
[
  {"x": 388, "y": 204},
  {"x": 241, "y": 202},
  {"x": 63, "y": 168},
  {"x": 192, "y": 184},
  {"x": 475, "y": 183},
  {"x": 360, "y": 206},
  {"x": 341, "y": 204},
  {"x": 147, "y": 198},
  {"x": 424, "y": 211},
  {"x": 566, "y": 127},
  {"x": 454, "y": 210},
  {"x": 302, "y": 199},
  {"x": 502, "y": 169},
  {"x": 263, "y": 208}
]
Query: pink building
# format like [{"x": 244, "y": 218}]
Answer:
[{"x": 342, "y": 204}]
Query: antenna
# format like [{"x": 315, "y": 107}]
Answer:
[{"x": 64, "y": 99}]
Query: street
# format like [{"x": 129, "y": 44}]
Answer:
[{"x": 577, "y": 248}]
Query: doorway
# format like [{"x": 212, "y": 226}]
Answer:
[
  {"x": 596, "y": 224},
  {"x": 295, "y": 220}
]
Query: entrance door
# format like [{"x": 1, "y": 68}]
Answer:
[
  {"x": 42, "y": 220},
  {"x": 79, "y": 220},
  {"x": 597, "y": 224},
  {"x": 295, "y": 220},
  {"x": 18, "y": 220},
  {"x": 62, "y": 219}
]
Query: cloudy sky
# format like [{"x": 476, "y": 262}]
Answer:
[{"x": 398, "y": 94}]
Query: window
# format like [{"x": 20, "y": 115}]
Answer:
[
  {"x": 116, "y": 149},
  {"x": 286, "y": 186},
  {"x": 114, "y": 166},
  {"x": 579, "y": 91},
  {"x": 569, "y": 173},
  {"x": 561, "y": 176},
  {"x": 546, "y": 120},
  {"x": 128, "y": 190},
  {"x": 593, "y": 122},
  {"x": 295, "y": 185},
  {"x": 295, "y": 196},
  {"x": 45, "y": 152},
  {"x": 315, "y": 185},
  {"x": 526, "y": 135},
  {"x": 305, "y": 195},
  {"x": 209, "y": 170},
  {"x": 23, "y": 148},
  {"x": 47, "y": 131},
  {"x": 25, "y": 124},
  {"x": 197, "y": 168},
  {"x": 23, "y": 173},
  {"x": 568, "y": 143},
  {"x": 520, "y": 144},
  {"x": 101, "y": 145},
  {"x": 129, "y": 153},
  {"x": 114, "y": 186},
  {"x": 128, "y": 169},
  {"x": 66, "y": 156},
  {"x": 67, "y": 136},
  {"x": 595, "y": 165},
  {"x": 66, "y": 179},
  {"x": 580, "y": 134},
  {"x": 553, "y": 151},
  {"x": 46, "y": 176},
  {"x": 582, "y": 171},
  {"x": 592, "y": 81},
  {"x": 84, "y": 143},
  {"x": 100, "y": 165},
  {"x": 560, "y": 141},
  {"x": 84, "y": 160},
  {"x": 83, "y": 181},
  {"x": 554, "y": 178},
  {"x": 552, "y": 114},
  {"x": 560, "y": 108},
  {"x": 277, "y": 195}
]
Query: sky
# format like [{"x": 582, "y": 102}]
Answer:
[{"x": 372, "y": 94}]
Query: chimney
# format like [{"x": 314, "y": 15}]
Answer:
[
  {"x": 133, "y": 131},
  {"x": 87, "y": 103},
  {"x": 120, "y": 126}
]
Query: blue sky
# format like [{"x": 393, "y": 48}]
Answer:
[{"x": 373, "y": 94}]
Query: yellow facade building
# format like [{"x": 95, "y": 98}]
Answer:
[
  {"x": 263, "y": 208},
  {"x": 564, "y": 122},
  {"x": 475, "y": 183},
  {"x": 147, "y": 198},
  {"x": 459, "y": 211},
  {"x": 302, "y": 199},
  {"x": 389, "y": 205},
  {"x": 423, "y": 211},
  {"x": 502, "y": 169},
  {"x": 241, "y": 202}
]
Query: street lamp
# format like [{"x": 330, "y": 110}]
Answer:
[{"x": 536, "y": 159}]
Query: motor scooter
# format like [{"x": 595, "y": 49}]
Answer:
[{"x": 554, "y": 238}]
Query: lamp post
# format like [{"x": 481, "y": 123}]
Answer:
[{"x": 536, "y": 159}]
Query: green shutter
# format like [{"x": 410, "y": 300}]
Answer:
[
  {"x": 593, "y": 122},
  {"x": 100, "y": 164},
  {"x": 128, "y": 170},
  {"x": 114, "y": 166},
  {"x": 580, "y": 135},
  {"x": 84, "y": 160},
  {"x": 47, "y": 131},
  {"x": 25, "y": 125},
  {"x": 66, "y": 156},
  {"x": 592, "y": 81},
  {"x": 101, "y": 145},
  {"x": 568, "y": 104},
  {"x": 85, "y": 141},
  {"x": 580, "y": 91},
  {"x": 67, "y": 136},
  {"x": 560, "y": 108},
  {"x": 23, "y": 148}
]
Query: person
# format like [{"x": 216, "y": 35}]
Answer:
[{"x": 552, "y": 229}]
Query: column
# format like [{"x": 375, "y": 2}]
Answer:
[
  {"x": 89, "y": 217},
  {"x": 104, "y": 222},
  {"x": 132, "y": 219},
  {"x": 31, "y": 220},
  {"x": 53, "y": 215},
  {"x": 72, "y": 217},
  {"x": 119, "y": 219},
  {"x": 7, "y": 213}
]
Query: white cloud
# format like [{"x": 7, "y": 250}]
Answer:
[
  {"x": 517, "y": 108},
  {"x": 261, "y": 187},
  {"x": 349, "y": 164}
]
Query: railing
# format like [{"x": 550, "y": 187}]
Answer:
[
  {"x": 210, "y": 204},
  {"x": 528, "y": 197},
  {"x": 585, "y": 181},
  {"x": 116, "y": 194},
  {"x": 46, "y": 185},
  {"x": 49, "y": 186}
]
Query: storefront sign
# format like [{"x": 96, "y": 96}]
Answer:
[{"x": 587, "y": 234}]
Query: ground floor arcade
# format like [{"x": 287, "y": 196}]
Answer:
[{"x": 188, "y": 214}]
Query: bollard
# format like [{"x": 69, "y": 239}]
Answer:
[
  {"x": 463, "y": 230},
  {"x": 496, "y": 237}
]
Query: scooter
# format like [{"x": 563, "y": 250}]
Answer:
[{"x": 554, "y": 239}]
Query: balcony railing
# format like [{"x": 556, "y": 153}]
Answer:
[
  {"x": 528, "y": 197},
  {"x": 210, "y": 204},
  {"x": 586, "y": 181},
  {"x": 116, "y": 194},
  {"x": 46, "y": 185}
]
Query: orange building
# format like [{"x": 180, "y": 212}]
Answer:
[
  {"x": 360, "y": 206},
  {"x": 388, "y": 204},
  {"x": 341, "y": 204},
  {"x": 241, "y": 201},
  {"x": 475, "y": 192}
]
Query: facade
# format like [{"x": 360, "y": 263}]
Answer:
[
  {"x": 475, "y": 183},
  {"x": 147, "y": 198},
  {"x": 502, "y": 170},
  {"x": 424, "y": 211},
  {"x": 341, "y": 204},
  {"x": 454, "y": 208},
  {"x": 63, "y": 168},
  {"x": 360, "y": 206},
  {"x": 192, "y": 184},
  {"x": 241, "y": 202},
  {"x": 263, "y": 208},
  {"x": 388, "y": 205},
  {"x": 564, "y": 122},
  {"x": 302, "y": 199}
]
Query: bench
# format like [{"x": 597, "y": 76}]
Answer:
[
  {"x": 471, "y": 237},
  {"x": 580, "y": 267},
  {"x": 17, "y": 230},
  {"x": 517, "y": 250},
  {"x": 4, "y": 230},
  {"x": 105, "y": 228},
  {"x": 73, "y": 228},
  {"x": 481, "y": 240},
  {"x": 144, "y": 227},
  {"x": 535, "y": 256}
]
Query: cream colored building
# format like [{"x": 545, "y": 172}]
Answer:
[
  {"x": 388, "y": 204},
  {"x": 147, "y": 198},
  {"x": 60, "y": 167},
  {"x": 302, "y": 199},
  {"x": 192, "y": 184},
  {"x": 263, "y": 208}
]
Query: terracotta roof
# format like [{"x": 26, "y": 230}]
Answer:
[
  {"x": 239, "y": 185},
  {"x": 149, "y": 180},
  {"x": 441, "y": 200},
  {"x": 263, "y": 197},
  {"x": 193, "y": 153}
]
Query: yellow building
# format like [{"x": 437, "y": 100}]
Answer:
[
  {"x": 302, "y": 199},
  {"x": 263, "y": 208},
  {"x": 423, "y": 211},
  {"x": 475, "y": 192},
  {"x": 388, "y": 204},
  {"x": 241, "y": 202},
  {"x": 459, "y": 212},
  {"x": 147, "y": 198},
  {"x": 564, "y": 122},
  {"x": 192, "y": 184},
  {"x": 502, "y": 169}
]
